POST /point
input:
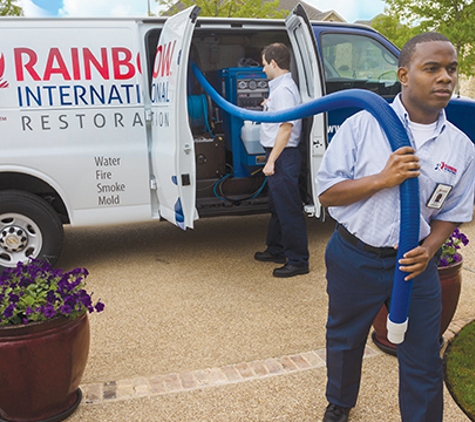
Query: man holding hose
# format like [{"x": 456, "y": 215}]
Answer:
[{"x": 359, "y": 181}]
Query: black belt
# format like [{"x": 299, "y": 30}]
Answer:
[{"x": 385, "y": 252}]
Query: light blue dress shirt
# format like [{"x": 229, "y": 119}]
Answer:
[
  {"x": 360, "y": 148},
  {"x": 283, "y": 94}
]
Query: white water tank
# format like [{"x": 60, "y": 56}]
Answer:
[{"x": 250, "y": 137}]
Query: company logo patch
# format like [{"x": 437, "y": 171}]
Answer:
[
  {"x": 3, "y": 84},
  {"x": 445, "y": 167}
]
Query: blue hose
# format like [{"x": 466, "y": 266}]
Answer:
[{"x": 397, "y": 136}]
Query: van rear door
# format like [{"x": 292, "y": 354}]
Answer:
[
  {"x": 172, "y": 149},
  {"x": 311, "y": 87}
]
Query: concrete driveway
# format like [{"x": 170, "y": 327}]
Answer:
[{"x": 196, "y": 330}]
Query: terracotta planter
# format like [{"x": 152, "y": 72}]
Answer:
[
  {"x": 450, "y": 282},
  {"x": 41, "y": 365}
]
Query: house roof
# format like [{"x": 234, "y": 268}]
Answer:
[{"x": 313, "y": 13}]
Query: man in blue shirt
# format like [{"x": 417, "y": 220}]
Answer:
[
  {"x": 359, "y": 181},
  {"x": 287, "y": 231}
]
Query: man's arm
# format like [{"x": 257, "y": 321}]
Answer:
[
  {"x": 401, "y": 165},
  {"x": 283, "y": 136},
  {"x": 416, "y": 260}
]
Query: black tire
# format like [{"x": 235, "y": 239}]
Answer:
[{"x": 29, "y": 227}]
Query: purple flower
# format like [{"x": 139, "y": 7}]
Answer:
[
  {"x": 443, "y": 262},
  {"x": 8, "y": 313},
  {"x": 99, "y": 307},
  {"x": 13, "y": 298},
  {"x": 48, "y": 291},
  {"x": 51, "y": 297},
  {"x": 49, "y": 311},
  {"x": 66, "y": 310}
]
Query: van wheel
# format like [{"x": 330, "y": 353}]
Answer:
[{"x": 29, "y": 227}]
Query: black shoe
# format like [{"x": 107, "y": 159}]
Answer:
[
  {"x": 336, "y": 413},
  {"x": 290, "y": 270},
  {"x": 267, "y": 257}
]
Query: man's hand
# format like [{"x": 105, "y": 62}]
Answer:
[
  {"x": 268, "y": 169},
  {"x": 401, "y": 165},
  {"x": 414, "y": 262}
]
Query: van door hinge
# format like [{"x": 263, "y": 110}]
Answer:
[
  {"x": 148, "y": 115},
  {"x": 309, "y": 210},
  {"x": 153, "y": 183}
]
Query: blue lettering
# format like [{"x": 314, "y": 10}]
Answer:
[
  {"x": 100, "y": 96},
  {"x": 114, "y": 95},
  {"x": 50, "y": 89},
  {"x": 160, "y": 92},
  {"x": 86, "y": 95},
  {"x": 64, "y": 94},
  {"x": 127, "y": 91},
  {"x": 79, "y": 93},
  {"x": 139, "y": 100},
  {"x": 30, "y": 94},
  {"x": 20, "y": 98}
]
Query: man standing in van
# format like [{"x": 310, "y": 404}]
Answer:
[
  {"x": 359, "y": 181},
  {"x": 287, "y": 231}
]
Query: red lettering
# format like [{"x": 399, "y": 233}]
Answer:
[
  {"x": 102, "y": 68},
  {"x": 163, "y": 59},
  {"x": 75, "y": 62},
  {"x": 32, "y": 59},
  {"x": 139, "y": 63},
  {"x": 81, "y": 63},
  {"x": 61, "y": 68},
  {"x": 121, "y": 58}
]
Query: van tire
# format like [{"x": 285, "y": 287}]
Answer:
[{"x": 29, "y": 227}]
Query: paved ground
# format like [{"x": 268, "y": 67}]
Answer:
[{"x": 195, "y": 330}]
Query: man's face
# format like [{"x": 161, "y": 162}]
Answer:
[
  {"x": 429, "y": 80},
  {"x": 268, "y": 68}
]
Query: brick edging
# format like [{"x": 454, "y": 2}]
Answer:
[
  {"x": 205, "y": 378},
  {"x": 96, "y": 393}
]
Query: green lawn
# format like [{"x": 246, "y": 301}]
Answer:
[{"x": 460, "y": 369}]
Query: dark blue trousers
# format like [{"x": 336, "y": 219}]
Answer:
[
  {"x": 359, "y": 283},
  {"x": 287, "y": 231}
]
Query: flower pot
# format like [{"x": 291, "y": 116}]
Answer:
[
  {"x": 450, "y": 283},
  {"x": 41, "y": 365}
]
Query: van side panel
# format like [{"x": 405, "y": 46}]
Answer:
[{"x": 71, "y": 112}]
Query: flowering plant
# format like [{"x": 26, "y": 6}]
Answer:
[
  {"x": 35, "y": 291},
  {"x": 450, "y": 254}
]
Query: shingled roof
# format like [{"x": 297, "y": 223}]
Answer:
[{"x": 313, "y": 13}]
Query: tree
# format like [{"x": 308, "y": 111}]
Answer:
[
  {"x": 392, "y": 29},
  {"x": 228, "y": 8},
  {"x": 453, "y": 18},
  {"x": 9, "y": 8}
]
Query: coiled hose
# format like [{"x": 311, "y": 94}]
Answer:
[{"x": 409, "y": 189}]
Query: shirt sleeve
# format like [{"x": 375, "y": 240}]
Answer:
[
  {"x": 339, "y": 159},
  {"x": 285, "y": 99},
  {"x": 458, "y": 208}
]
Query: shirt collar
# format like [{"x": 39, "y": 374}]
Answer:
[
  {"x": 276, "y": 81},
  {"x": 401, "y": 111}
]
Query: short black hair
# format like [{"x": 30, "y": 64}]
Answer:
[
  {"x": 408, "y": 49},
  {"x": 279, "y": 53}
]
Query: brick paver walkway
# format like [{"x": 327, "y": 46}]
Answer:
[{"x": 215, "y": 377}]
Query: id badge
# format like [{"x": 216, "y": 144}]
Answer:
[{"x": 439, "y": 196}]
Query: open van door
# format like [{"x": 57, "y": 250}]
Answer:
[
  {"x": 172, "y": 148},
  {"x": 311, "y": 87}
]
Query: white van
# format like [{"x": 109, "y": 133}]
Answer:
[{"x": 102, "y": 122}]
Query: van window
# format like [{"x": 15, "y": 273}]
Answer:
[{"x": 357, "y": 61}]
